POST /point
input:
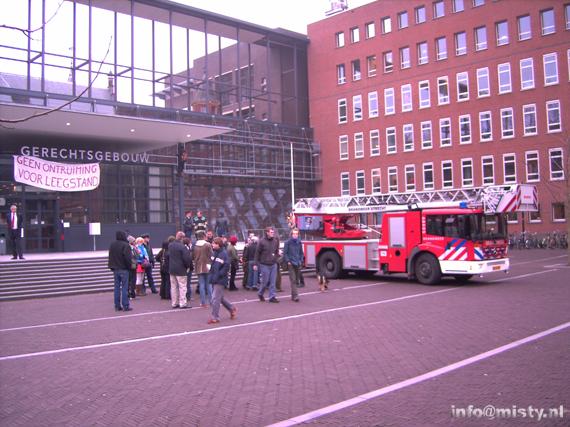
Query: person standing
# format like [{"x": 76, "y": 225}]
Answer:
[
  {"x": 142, "y": 262},
  {"x": 188, "y": 243},
  {"x": 163, "y": 260},
  {"x": 222, "y": 225},
  {"x": 218, "y": 279},
  {"x": 133, "y": 268},
  {"x": 202, "y": 257},
  {"x": 188, "y": 224},
  {"x": 119, "y": 261},
  {"x": 253, "y": 273},
  {"x": 293, "y": 256},
  {"x": 15, "y": 223},
  {"x": 266, "y": 258},
  {"x": 200, "y": 223},
  {"x": 178, "y": 263},
  {"x": 150, "y": 265},
  {"x": 234, "y": 262}
]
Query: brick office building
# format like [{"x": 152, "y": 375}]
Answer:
[{"x": 418, "y": 95}]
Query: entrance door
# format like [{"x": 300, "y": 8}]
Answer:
[
  {"x": 397, "y": 253},
  {"x": 40, "y": 230}
]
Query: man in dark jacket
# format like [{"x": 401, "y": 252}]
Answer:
[
  {"x": 179, "y": 261},
  {"x": 120, "y": 263},
  {"x": 148, "y": 269},
  {"x": 249, "y": 259},
  {"x": 266, "y": 257},
  {"x": 222, "y": 225},
  {"x": 293, "y": 256},
  {"x": 188, "y": 224},
  {"x": 218, "y": 278},
  {"x": 200, "y": 223},
  {"x": 15, "y": 223}
]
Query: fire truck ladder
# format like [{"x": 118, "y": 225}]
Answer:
[{"x": 492, "y": 199}]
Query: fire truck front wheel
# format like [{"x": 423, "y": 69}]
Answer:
[
  {"x": 330, "y": 265},
  {"x": 427, "y": 269}
]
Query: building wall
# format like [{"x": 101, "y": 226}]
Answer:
[{"x": 325, "y": 91}]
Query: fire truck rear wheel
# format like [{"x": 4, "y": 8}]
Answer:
[
  {"x": 427, "y": 269},
  {"x": 330, "y": 265}
]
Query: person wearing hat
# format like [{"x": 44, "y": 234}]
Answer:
[
  {"x": 234, "y": 262},
  {"x": 149, "y": 267}
]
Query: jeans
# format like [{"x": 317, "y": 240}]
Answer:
[
  {"x": 121, "y": 288},
  {"x": 188, "y": 279},
  {"x": 217, "y": 299},
  {"x": 252, "y": 275},
  {"x": 148, "y": 274},
  {"x": 294, "y": 279},
  {"x": 268, "y": 276},
  {"x": 204, "y": 287}
]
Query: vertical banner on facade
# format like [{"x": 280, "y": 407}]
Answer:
[{"x": 56, "y": 176}]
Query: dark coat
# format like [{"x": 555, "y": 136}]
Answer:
[
  {"x": 267, "y": 251},
  {"x": 249, "y": 251},
  {"x": 179, "y": 258},
  {"x": 148, "y": 248},
  {"x": 220, "y": 267},
  {"x": 293, "y": 252},
  {"x": 20, "y": 220},
  {"x": 120, "y": 253},
  {"x": 188, "y": 226}
]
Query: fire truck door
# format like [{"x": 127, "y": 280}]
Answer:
[{"x": 397, "y": 252}]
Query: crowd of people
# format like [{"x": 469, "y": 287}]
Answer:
[{"x": 212, "y": 257}]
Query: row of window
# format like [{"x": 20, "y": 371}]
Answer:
[
  {"x": 504, "y": 85},
  {"x": 529, "y": 121},
  {"x": 547, "y": 23},
  {"x": 532, "y": 173}
]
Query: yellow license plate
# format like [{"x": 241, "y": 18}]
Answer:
[{"x": 496, "y": 267}]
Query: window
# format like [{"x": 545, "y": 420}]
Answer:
[
  {"x": 529, "y": 119},
  {"x": 465, "y": 129},
  {"x": 340, "y": 74},
  {"x": 483, "y": 84},
  {"x": 502, "y": 30},
  {"x": 509, "y": 168},
  {"x": 410, "y": 178},
  {"x": 424, "y": 94},
  {"x": 462, "y": 86},
  {"x": 460, "y": 43},
  {"x": 356, "y": 75},
  {"x": 360, "y": 184},
  {"x": 507, "y": 125},
  {"x": 375, "y": 179},
  {"x": 342, "y": 115},
  {"x": 441, "y": 48},
  {"x": 428, "y": 176},
  {"x": 458, "y": 6},
  {"x": 388, "y": 60},
  {"x": 354, "y": 35},
  {"x": 442, "y": 90},
  {"x": 371, "y": 65},
  {"x": 370, "y": 30},
  {"x": 339, "y": 39},
  {"x": 408, "y": 137},
  {"x": 426, "y": 135},
  {"x": 447, "y": 174},
  {"x": 467, "y": 172},
  {"x": 343, "y": 147},
  {"x": 422, "y": 53},
  {"x": 556, "y": 164},
  {"x": 373, "y": 104},
  {"x": 386, "y": 25},
  {"x": 358, "y": 145},
  {"x": 438, "y": 9},
  {"x": 357, "y": 107},
  {"x": 403, "y": 20},
  {"x": 485, "y": 127},
  {"x": 532, "y": 170},
  {"x": 406, "y": 97},
  {"x": 481, "y": 38},
  {"x": 344, "y": 184},
  {"x": 420, "y": 13},
  {"x": 404, "y": 57},
  {"x": 391, "y": 140},
  {"x": 374, "y": 142},
  {"x": 445, "y": 132},
  {"x": 504, "y": 77},
  {"x": 547, "y": 21},
  {"x": 488, "y": 169},
  {"x": 393, "y": 179},
  {"x": 553, "y": 116},
  {"x": 477, "y": 3},
  {"x": 534, "y": 217},
  {"x": 527, "y": 73},
  {"x": 558, "y": 214},
  {"x": 550, "y": 61},
  {"x": 389, "y": 103},
  {"x": 525, "y": 32},
  {"x": 567, "y": 15}
]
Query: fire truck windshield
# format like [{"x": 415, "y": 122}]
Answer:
[{"x": 467, "y": 226}]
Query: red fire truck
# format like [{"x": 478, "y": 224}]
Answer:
[{"x": 425, "y": 235}]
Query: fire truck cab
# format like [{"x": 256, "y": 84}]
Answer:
[{"x": 425, "y": 235}]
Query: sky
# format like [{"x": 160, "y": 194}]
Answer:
[{"x": 292, "y": 15}]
